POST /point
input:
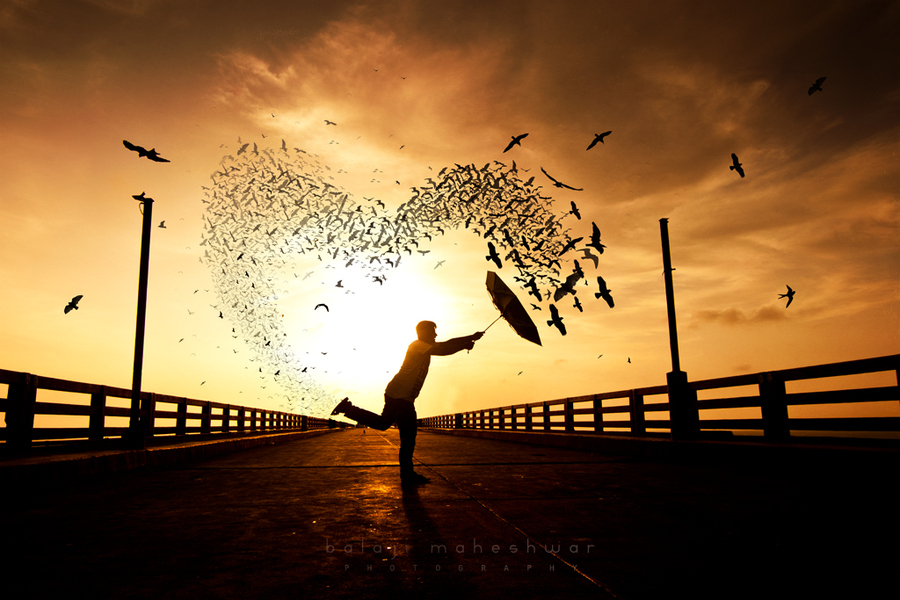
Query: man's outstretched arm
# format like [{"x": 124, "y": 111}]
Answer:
[{"x": 454, "y": 345}]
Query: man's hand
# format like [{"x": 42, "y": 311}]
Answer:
[{"x": 470, "y": 342}]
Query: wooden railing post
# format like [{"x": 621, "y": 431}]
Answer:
[
  {"x": 181, "y": 419},
  {"x": 150, "y": 415},
  {"x": 20, "y": 416},
  {"x": 206, "y": 418},
  {"x": 598, "y": 414},
  {"x": 501, "y": 418},
  {"x": 529, "y": 422},
  {"x": 97, "y": 421},
  {"x": 226, "y": 417},
  {"x": 569, "y": 418},
  {"x": 546, "y": 409},
  {"x": 636, "y": 408},
  {"x": 773, "y": 405}
]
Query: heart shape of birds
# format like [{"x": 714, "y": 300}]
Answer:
[{"x": 267, "y": 206}]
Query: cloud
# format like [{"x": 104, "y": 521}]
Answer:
[{"x": 734, "y": 316}]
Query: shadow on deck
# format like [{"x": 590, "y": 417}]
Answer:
[{"x": 327, "y": 516}]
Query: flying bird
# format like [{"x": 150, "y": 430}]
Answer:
[
  {"x": 568, "y": 287},
  {"x": 737, "y": 165},
  {"x": 817, "y": 86},
  {"x": 574, "y": 211},
  {"x": 789, "y": 296},
  {"x": 556, "y": 320},
  {"x": 591, "y": 256},
  {"x": 598, "y": 137},
  {"x": 595, "y": 238},
  {"x": 327, "y": 122},
  {"x": 73, "y": 303},
  {"x": 325, "y": 306},
  {"x": 570, "y": 245},
  {"x": 516, "y": 141},
  {"x": 162, "y": 224},
  {"x": 604, "y": 292},
  {"x": 493, "y": 255},
  {"x": 560, "y": 184},
  {"x": 151, "y": 154}
]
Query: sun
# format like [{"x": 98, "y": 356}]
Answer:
[{"x": 356, "y": 339}]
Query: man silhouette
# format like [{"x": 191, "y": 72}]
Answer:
[{"x": 401, "y": 393}]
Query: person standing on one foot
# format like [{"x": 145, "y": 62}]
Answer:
[{"x": 401, "y": 393}]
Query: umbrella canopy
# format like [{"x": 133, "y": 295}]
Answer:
[{"x": 511, "y": 309}]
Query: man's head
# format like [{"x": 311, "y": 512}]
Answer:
[{"x": 427, "y": 331}]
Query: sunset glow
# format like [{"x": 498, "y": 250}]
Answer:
[{"x": 415, "y": 87}]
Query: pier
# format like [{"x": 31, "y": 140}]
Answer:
[{"x": 285, "y": 513}]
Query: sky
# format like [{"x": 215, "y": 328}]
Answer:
[{"x": 419, "y": 91}]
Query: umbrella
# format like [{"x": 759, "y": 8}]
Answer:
[{"x": 511, "y": 309}]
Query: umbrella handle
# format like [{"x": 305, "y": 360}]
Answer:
[
  {"x": 492, "y": 322},
  {"x": 489, "y": 326}
]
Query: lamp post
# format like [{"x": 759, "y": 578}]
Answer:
[
  {"x": 135, "y": 437},
  {"x": 683, "y": 414}
]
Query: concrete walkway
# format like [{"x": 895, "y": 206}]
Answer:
[{"x": 327, "y": 517}]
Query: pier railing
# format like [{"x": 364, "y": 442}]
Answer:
[
  {"x": 770, "y": 405},
  {"x": 98, "y": 413}
]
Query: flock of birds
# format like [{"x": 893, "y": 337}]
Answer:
[{"x": 268, "y": 205}]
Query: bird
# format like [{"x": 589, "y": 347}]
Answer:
[
  {"x": 493, "y": 255},
  {"x": 789, "y": 296},
  {"x": 598, "y": 137},
  {"x": 73, "y": 303},
  {"x": 570, "y": 245},
  {"x": 737, "y": 165},
  {"x": 568, "y": 287},
  {"x": 604, "y": 292},
  {"x": 817, "y": 86},
  {"x": 560, "y": 184},
  {"x": 575, "y": 211},
  {"x": 516, "y": 141},
  {"x": 595, "y": 238},
  {"x": 151, "y": 154},
  {"x": 325, "y": 306},
  {"x": 556, "y": 320},
  {"x": 591, "y": 256},
  {"x": 142, "y": 197},
  {"x": 327, "y": 122},
  {"x": 162, "y": 224}
]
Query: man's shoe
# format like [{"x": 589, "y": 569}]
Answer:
[
  {"x": 413, "y": 479},
  {"x": 342, "y": 406}
]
